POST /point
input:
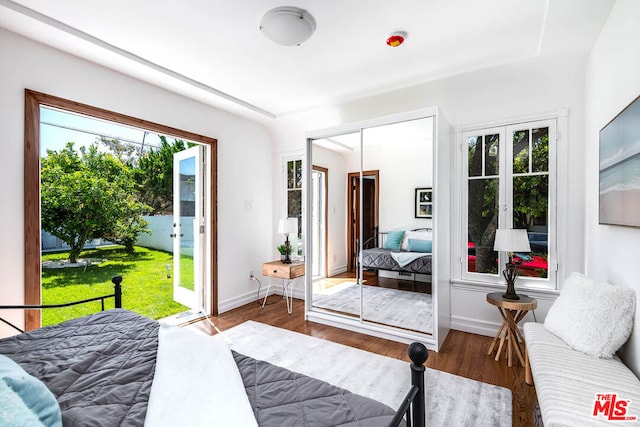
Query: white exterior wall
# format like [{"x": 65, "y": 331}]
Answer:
[
  {"x": 244, "y": 177},
  {"x": 612, "y": 83}
]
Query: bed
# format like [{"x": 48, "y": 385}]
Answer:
[
  {"x": 118, "y": 368},
  {"x": 402, "y": 251}
]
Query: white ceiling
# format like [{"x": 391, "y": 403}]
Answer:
[{"x": 213, "y": 50}]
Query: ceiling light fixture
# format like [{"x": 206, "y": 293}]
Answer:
[
  {"x": 288, "y": 25},
  {"x": 396, "y": 39}
]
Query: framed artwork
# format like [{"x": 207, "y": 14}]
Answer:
[
  {"x": 424, "y": 202},
  {"x": 620, "y": 168}
]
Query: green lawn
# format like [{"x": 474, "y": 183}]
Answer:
[{"x": 146, "y": 289}]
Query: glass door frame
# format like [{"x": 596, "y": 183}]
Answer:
[
  {"x": 192, "y": 298},
  {"x": 32, "y": 247}
]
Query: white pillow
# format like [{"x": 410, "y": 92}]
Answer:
[
  {"x": 594, "y": 318},
  {"x": 415, "y": 235}
]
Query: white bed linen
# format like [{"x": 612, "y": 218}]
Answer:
[
  {"x": 196, "y": 383},
  {"x": 404, "y": 258}
]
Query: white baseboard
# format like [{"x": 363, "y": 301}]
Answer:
[
  {"x": 474, "y": 326},
  {"x": 337, "y": 270},
  {"x": 239, "y": 301},
  {"x": 276, "y": 288}
]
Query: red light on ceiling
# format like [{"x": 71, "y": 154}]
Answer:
[{"x": 396, "y": 39}]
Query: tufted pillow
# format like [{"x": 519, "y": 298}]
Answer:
[
  {"x": 34, "y": 395},
  {"x": 393, "y": 240},
  {"x": 594, "y": 318}
]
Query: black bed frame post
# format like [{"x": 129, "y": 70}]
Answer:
[
  {"x": 376, "y": 232},
  {"x": 418, "y": 354},
  {"x": 117, "y": 291}
]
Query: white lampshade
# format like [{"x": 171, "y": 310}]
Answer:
[
  {"x": 511, "y": 240},
  {"x": 287, "y": 25},
  {"x": 288, "y": 225}
]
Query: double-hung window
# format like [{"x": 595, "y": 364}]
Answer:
[
  {"x": 509, "y": 181},
  {"x": 293, "y": 209}
]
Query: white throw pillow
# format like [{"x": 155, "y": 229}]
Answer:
[{"x": 594, "y": 318}]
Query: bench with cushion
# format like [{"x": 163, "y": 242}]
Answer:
[{"x": 579, "y": 379}]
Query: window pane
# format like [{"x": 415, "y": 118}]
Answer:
[
  {"x": 540, "y": 138},
  {"x": 475, "y": 156},
  {"x": 298, "y": 173},
  {"x": 290, "y": 175},
  {"x": 521, "y": 151},
  {"x": 294, "y": 205},
  {"x": 294, "y": 210},
  {"x": 492, "y": 152},
  {"x": 482, "y": 224},
  {"x": 530, "y": 211}
]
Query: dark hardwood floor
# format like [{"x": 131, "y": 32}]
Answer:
[{"x": 462, "y": 353}]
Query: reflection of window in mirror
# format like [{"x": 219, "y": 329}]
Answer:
[{"x": 293, "y": 200}]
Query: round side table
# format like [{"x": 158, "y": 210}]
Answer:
[{"x": 512, "y": 312}]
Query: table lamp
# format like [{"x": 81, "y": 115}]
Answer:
[
  {"x": 511, "y": 240},
  {"x": 287, "y": 226}
]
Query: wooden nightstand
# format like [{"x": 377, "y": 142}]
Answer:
[
  {"x": 288, "y": 273},
  {"x": 512, "y": 312}
]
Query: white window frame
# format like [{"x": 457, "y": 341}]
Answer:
[
  {"x": 505, "y": 132},
  {"x": 285, "y": 199}
]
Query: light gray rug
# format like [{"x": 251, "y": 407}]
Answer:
[
  {"x": 404, "y": 309},
  {"x": 450, "y": 400}
]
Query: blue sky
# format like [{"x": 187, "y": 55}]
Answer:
[{"x": 54, "y": 137}]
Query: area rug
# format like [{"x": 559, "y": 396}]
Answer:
[
  {"x": 404, "y": 309},
  {"x": 451, "y": 400}
]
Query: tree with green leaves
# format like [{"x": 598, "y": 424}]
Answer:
[
  {"x": 530, "y": 189},
  {"x": 125, "y": 151},
  {"x": 154, "y": 175},
  {"x": 483, "y": 202},
  {"x": 531, "y": 192},
  {"x": 88, "y": 194}
]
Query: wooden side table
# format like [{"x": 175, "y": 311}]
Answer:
[
  {"x": 512, "y": 312},
  {"x": 288, "y": 273}
]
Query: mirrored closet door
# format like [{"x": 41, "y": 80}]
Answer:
[{"x": 372, "y": 217}]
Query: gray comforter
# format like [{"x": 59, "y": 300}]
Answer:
[
  {"x": 100, "y": 368},
  {"x": 280, "y": 398},
  {"x": 381, "y": 259}
]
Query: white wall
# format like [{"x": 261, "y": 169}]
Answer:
[
  {"x": 612, "y": 83},
  {"x": 546, "y": 83},
  {"x": 397, "y": 187},
  {"x": 244, "y": 178},
  {"x": 336, "y": 207}
]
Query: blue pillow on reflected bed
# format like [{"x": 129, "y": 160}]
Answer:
[
  {"x": 393, "y": 240},
  {"x": 416, "y": 245},
  {"x": 25, "y": 398}
]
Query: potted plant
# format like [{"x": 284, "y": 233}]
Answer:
[{"x": 285, "y": 251}]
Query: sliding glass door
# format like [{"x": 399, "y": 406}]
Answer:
[{"x": 376, "y": 170}]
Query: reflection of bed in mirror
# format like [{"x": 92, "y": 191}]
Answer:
[
  {"x": 373, "y": 170},
  {"x": 411, "y": 253}
]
